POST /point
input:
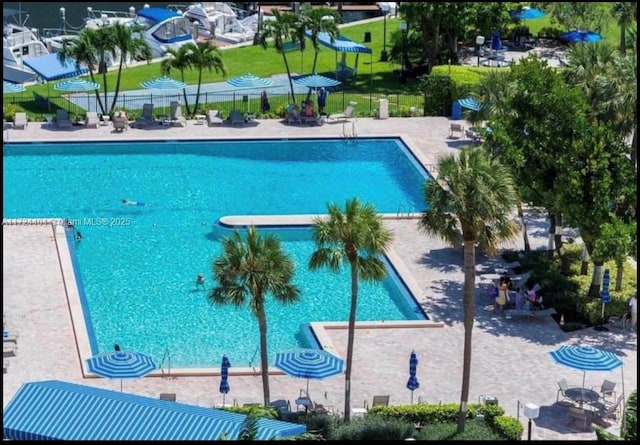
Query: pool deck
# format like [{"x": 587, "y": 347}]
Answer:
[{"x": 511, "y": 360}]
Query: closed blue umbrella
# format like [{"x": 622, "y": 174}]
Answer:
[
  {"x": 577, "y": 36},
  {"x": 10, "y": 87},
  {"x": 224, "y": 377},
  {"x": 586, "y": 358},
  {"x": 412, "y": 383},
  {"x": 163, "y": 84},
  {"x": 605, "y": 297},
  {"x": 527, "y": 13},
  {"x": 249, "y": 81},
  {"x": 121, "y": 365},
  {"x": 76, "y": 85},
  {"x": 309, "y": 364},
  {"x": 316, "y": 81}
]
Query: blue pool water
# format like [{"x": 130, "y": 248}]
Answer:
[{"x": 137, "y": 264}]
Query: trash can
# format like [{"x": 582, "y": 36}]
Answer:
[
  {"x": 456, "y": 110},
  {"x": 367, "y": 36},
  {"x": 383, "y": 108},
  {"x": 491, "y": 400}
]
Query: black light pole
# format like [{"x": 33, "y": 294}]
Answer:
[
  {"x": 403, "y": 30},
  {"x": 383, "y": 55}
]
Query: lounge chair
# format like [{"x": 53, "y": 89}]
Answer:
[
  {"x": 348, "y": 112},
  {"x": 236, "y": 117},
  {"x": 456, "y": 128},
  {"x": 177, "y": 118},
  {"x": 10, "y": 338},
  {"x": 214, "y": 118},
  {"x": 92, "y": 119},
  {"x": 380, "y": 401},
  {"x": 283, "y": 406},
  {"x": 9, "y": 350},
  {"x": 120, "y": 121},
  {"x": 20, "y": 121},
  {"x": 62, "y": 119},
  {"x": 146, "y": 118},
  {"x": 308, "y": 116}
]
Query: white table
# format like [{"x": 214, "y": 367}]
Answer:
[
  {"x": 200, "y": 119},
  {"x": 105, "y": 120}
]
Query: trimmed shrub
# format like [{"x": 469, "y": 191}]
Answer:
[
  {"x": 373, "y": 427},
  {"x": 473, "y": 430}
]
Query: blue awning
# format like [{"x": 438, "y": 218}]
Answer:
[
  {"x": 59, "y": 410},
  {"x": 341, "y": 44},
  {"x": 49, "y": 67},
  {"x": 157, "y": 15}
]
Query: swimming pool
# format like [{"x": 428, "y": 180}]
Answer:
[{"x": 137, "y": 265}]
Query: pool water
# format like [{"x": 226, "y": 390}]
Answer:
[{"x": 137, "y": 265}]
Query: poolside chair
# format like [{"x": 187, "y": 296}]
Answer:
[
  {"x": 308, "y": 116},
  {"x": 20, "y": 121},
  {"x": 9, "y": 350},
  {"x": 62, "y": 119},
  {"x": 92, "y": 119},
  {"x": 456, "y": 128},
  {"x": 563, "y": 389},
  {"x": 214, "y": 118},
  {"x": 380, "y": 401},
  {"x": 236, "y": 117},
  {"x": 283, "y": 406},
  {"x": 608, "y": 410},
  {"x": 146, "y": 118},
  {"x": 177, "y": 118},
  {"x": 348, "y": 112},
  {"x": 607, "y": 389}
]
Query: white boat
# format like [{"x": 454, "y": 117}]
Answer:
[
  {"x": 221, "y": 21},
  {"x": 19, "y": 43},
  {"x": 162, "y": 28}
]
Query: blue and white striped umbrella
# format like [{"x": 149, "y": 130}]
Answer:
[
  {"x": 163, "y": 84},
  {"x": 316, "y": 81},
  {"x": 121, "y": 365},
  {"x": 224, "y": 377},
  {"x": 412, "y": 383},
  {"x": 76, "y": 85},
  {"x": 249, "y": 81},
  {"x": 309, "y": 364},
  {"x": 586, "y": 358},
  {"x": 10, "y": 87},
  {"x": 470, "y": 103}
]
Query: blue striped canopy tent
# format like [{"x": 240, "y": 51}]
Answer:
[
  {"x": 587, "y": 358},
  {"x": 342, "y": 44},
  {"x": 60, "y": 410},
  {"x": 50, "y": 68},
  {"x": 309, "y": 364}
]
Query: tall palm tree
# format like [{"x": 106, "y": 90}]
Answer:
[
  {"x": 179, "y": 59},
  {"x": 104, "y": 41},
  {"x": 317, "y": 20},
  {"x": 625, "y": 14},
  {"x": 285, "y": 25},
  {"x": 247, "y": 272},
  {"x": 83, "y": 52},
  {"x": 128, "y": 45},
  {"x": 471, "y": 201},
  {"x": 205, "y": 56},
  {"x": 355, "y": 238}
]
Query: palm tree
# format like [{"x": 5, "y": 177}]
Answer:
[
  {"x": 180, "y": 60},
  {"x": 83, "y": 52},
  {"x": 625, "y": 14},
  {"x": 471, "y": 201},
  {"x": 355, "y": 238},
  {"x": 285, "y": 25},
  {"x": 127, "y": 45},
  {"x": 247, "y": 271},
  {"x": 205, "y": 56},
  {"x": 317, "y": 20}
]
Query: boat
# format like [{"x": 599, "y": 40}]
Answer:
[
  {"x": 221, "y": 21},
  {"x": 162, "y": 28},
  {"x": 19, "y": 43}
]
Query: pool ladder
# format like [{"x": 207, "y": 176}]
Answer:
[
  {"x": 346, "y": 134},
  {"x": 166, "y": 357}
]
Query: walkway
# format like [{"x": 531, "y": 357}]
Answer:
[{"x": 511, "y": 359}]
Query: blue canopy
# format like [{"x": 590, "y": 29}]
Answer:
[
  {"x": 578, "y": 35},
  {"x": 157, "y": 15},
  {"x": 527, "y": 13},
  {"x": 49, "y": 67},
  {"x": 341, "y": 44},
  {"x": 66, "y": 411}
]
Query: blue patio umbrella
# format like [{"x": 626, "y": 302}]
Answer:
[
  {"x": 309, "y": 364},
  {"x": 10, "y": 87},
  {"x": 316, "y": 81},
  {"x": 224, "y": 378},
  {"x": 577, "y": 36},
  {"x": 163, "y": 84},
  {"x": 470, "y": 103},
  {"x": 249, "y": 81},
  {"x": 412, "y": 383},
  {"x": 586, "y": 358},
  {"x": 121, "y": 365},
  {"x": 76, "y": 85},
  {"x": 527, "y": 13}
]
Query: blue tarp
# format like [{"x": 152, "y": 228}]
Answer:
[
  {"x": 66, "y": 411},
  {"x": 341, "y": 44},
  {"x": 49, "y": 67}
]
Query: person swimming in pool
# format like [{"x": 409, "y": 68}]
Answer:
[{"x": 129, "y": 202}]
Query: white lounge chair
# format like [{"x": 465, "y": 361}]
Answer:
[
  {"x": 348, "y": 112},
  {"x": 213, "y": 118},
  {"x": 62, "y": 119},
  {"x": 20, "y": 120},
  {"x": 92, "y": 119},
  {"x": 177, "y": 118}
]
